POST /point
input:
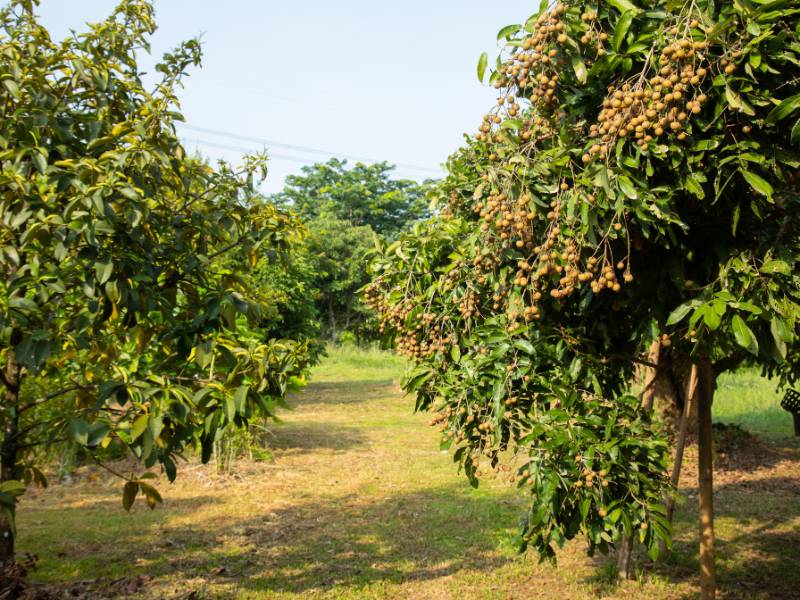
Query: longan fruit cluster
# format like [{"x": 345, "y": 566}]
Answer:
[
  {"x": 590, "y": 478},
  {"x": 531, "y": 73},
  {"x": 468, "y": 305},
  {"x": 420, "y": 341},
  {"x": 594, "y": 33},
  {"x": 511, "y": 220},
  {"x": 661, "y": 104}
]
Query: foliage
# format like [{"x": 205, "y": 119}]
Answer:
[
  {"x": 286, "y": 286},
  {"x": 339, "y": 252},
  {"x": 344, "y": 209},
  {"x": 361, "y": 195},
  {"x": 114, "y": 285},
  {"x": 636, "y": 180}
]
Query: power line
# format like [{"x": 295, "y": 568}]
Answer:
[
  {"x": 271, "y": 155},
  {"x": 306, "y": 149},
  {"x": 200, "y": 142}
]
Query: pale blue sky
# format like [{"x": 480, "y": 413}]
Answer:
[{"x": 388, "y": 81}]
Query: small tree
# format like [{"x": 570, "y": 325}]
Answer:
[
  {"x": 120, "y": 322},
  {"x": 635, "y": 182}
]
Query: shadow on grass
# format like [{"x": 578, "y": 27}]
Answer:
[
  {"x": 308, "y": 437},
  {"x": 321, "y": 544},
  {"x": 757, "y": 559},
  {"x": 344, "y": 392}
]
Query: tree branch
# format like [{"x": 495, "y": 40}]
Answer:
[{"x": 49, "y": 397}]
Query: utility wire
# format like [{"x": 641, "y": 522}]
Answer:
[
  {"x": 246, "y": 138},
  {"x": 242, "y": 149},
  {"x": 200, "y": 142}
]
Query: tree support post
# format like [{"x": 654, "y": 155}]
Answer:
[{"x": 705, "y": 397}]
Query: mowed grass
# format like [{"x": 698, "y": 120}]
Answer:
[
  {"x": 745, "y": 398},
  {"x": 360, "y": 503}
]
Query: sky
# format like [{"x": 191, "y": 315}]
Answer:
[{"x": 367, "y": 79}]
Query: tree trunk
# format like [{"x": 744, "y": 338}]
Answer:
[
  {"x": 624, "y": 555},
  {"x": 331, "y": 322},
  {"x": 9, "y": 447},
  {"x": 796, "y": 417},
  {"x": 705, "y": 397}
]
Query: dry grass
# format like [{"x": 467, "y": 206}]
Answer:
[{"x": 359, "y": 503}]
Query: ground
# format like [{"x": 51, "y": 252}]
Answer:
[{"x": 358, "y": 502}]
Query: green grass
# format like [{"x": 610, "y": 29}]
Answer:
[
  {"x": 360, "y": 503},
  {"x": 745, "y": 398}
]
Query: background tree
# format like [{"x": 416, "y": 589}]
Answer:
[
  {"x": 339, "y": 252},
  {"x": 636, "y": 181},
  {"x": 344, "y": 210},
  {"x": 120, "y": 321},
  {"x": 360, "y": 195}
]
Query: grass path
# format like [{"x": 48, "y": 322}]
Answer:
[{"x": 359, "y": 503}]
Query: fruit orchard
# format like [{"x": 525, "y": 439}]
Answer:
[
  {"x": 634, "y": 183},
  {"x": 618, "y": 232}
]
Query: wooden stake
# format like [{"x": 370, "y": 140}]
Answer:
[
  {"x": 681, "y": 443},
  {"x": 652, "y": 375},
  {"x": 706, "y": 479}
]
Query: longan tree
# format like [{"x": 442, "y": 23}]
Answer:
[
  {"x": 123, "y": 320},
  {"x": 636, "y": 182}
]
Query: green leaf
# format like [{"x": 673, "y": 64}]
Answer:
[
  {"x": 737, "y": 102},
  {"x": 139, "y": 425},
  {"x": 240, "y": 397},
  {"x": 624, "y": 6},
  {"x": 230, "y": 407},
  {"x": 626, "y": 187},
  {"x": 677, "y": 315},
  {"x": 483, "y": 61},
  {"x": 711, "y": 318},
  {"x": 579, "y": 67},
  {"x": 96, "y": 433},
  {"x": 12, "y": 487},
  {"x": 784, "y": 109},
  {"x": 781, "y": 331},
  {"x": 455, "y": 353},
  {"x": 79, "y": 431},
  {"x": 112, "y": 291},
  {"x": 794, "y": 137},
  {"x": 129, "y": 493},
  {"x": 776, "y": 266},
  {"x": 621, "y": 29},
  {"x": 758, "y": 183},
  {"x": 40, "y": 161},
  {"x": 151, "y": 494},
  {"x": 203, "y": 353},
  {"x": 744, "y": 335},
  {"x": 693, "y": 186},
  {"x": 103, "y": 270},
  {"x": 506, "y": 32},
  {"x": 12, "y": 88}
]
